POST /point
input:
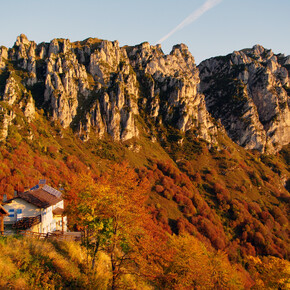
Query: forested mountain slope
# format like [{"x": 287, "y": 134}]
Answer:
[{"x": 211, "y": 142}]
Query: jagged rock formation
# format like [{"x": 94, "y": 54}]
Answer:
[
  {"x": 97, "y": 87},
  {"x": 24, "y": 54},
  {"x": 14, "y": 96},
  {"x": 248, "y": 91},
  {"x": 169, "y": 86},
  {"x": 5, "y": 120},
  {"x": 3, "y": 57}
]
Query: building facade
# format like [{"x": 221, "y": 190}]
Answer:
[{"x": 40, "y": 209}]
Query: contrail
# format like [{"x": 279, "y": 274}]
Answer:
[{"x": 192, "y": 17}]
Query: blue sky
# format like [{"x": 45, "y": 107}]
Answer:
[{"x": 228, "y": 26}]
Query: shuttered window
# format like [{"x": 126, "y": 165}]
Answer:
[{"x": 11, "y": 213}]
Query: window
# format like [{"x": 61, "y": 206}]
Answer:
[
  {"x": 19, "y": 214},
  {"x": 11, "y": 213}
]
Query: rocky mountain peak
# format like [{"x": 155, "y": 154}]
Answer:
[
  {"x": 180, "y": 49},
  {"x": 258, "y": 49},
  {"x": 97, "y": 87},
  {"x": 57, "y": 46},
  {"x": 24, "y": 48},
  {"x": 170, "y": 88},
  {"x": 22, "y": 39},
  {"x": 3, "y": 52},
  {"x": 248, "y": 91},
  {"x": 24, "y": 53}
]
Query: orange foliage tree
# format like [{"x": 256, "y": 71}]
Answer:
[{"x": 114, "y": 212}]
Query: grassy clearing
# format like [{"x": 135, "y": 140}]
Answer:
[
  {"x": 27, "y": 263},
  {"x": 32, "y": 264}
]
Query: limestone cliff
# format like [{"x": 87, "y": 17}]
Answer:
[
  {"x": 248, "y": 91},
  {"x": 3, "y": 57},
  {"x": 170, "y": 85},
  {"x": 98, "y": 88}
]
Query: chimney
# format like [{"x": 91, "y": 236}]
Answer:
[
  {"x": 15, "y": 193},
  {"x": 41, "y": 182},
  {"x": 4, "y": 197}
]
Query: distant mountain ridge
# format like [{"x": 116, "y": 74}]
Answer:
[{"x": 97, "y": 87}]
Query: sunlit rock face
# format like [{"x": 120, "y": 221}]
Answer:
[
  {"x": 88, "y": 85},
  {"x": 98, "y": 87},
  {"x": 248, "y": 91},
  {"x": 170, "y": 88},
  {"x": 101, "y": 89}
]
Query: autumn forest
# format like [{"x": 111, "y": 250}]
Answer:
[{"x": 166, "y": 169}]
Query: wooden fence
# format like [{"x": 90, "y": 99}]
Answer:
[
  {"x": 60, "y": 236},
  {"x": 35, "y": 235}
]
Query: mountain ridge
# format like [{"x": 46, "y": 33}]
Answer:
[
  {"x": 72, "y": 108},
  {"x": 97, "y": 85},
  {"x": 255, "y": 82}
]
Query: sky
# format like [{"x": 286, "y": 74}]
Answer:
[{"x": 208, "y": 27}]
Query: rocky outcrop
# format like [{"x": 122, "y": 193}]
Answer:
[
  {"x": 3, "y": 57},
  {"x": 65, "y": 80},
  {"x": 115, "y": 109},
  {"x": 23, "y": 53},
  {"x": 97, "y": 87},
  {"x": 29, "y": 108},
  {"x": 248, "y": 91},
  {"x": 12, "y": 90},
  {"x": 6, "y": 118},
  {"x": 170, "y": 84},
  {"x": 90, "y": 86},
  {"x": 16, "y": 96}
]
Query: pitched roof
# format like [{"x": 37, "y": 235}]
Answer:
[
  {"x": 41, "y": 197},
  {"x": 58, "y": 211}
]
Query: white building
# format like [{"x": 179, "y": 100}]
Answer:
[{"x": 39, "y": 210}]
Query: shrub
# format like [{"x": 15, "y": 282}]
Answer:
[{"x": 159, "y": 188}]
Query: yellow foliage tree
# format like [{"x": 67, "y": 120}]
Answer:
[
  {"x": 269, "y": 272},
  {"x": 194, "y": 267}
]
